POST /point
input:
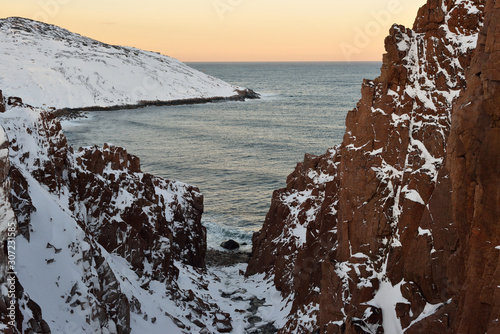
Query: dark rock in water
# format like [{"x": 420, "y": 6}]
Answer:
[
  {"x": 250, "y": 94},
  {"x": 230, "y": 244}
]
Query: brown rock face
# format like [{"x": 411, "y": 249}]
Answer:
[
  {"x": 473, "y": 162},
  {"x": 373, "y": 217}
]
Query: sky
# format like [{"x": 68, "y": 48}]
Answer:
[{"x": 231, "y": 30}]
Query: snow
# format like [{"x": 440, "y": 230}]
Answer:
[
  {"x": 57, "y": 273},
  {"x": 430, "y": 162},
  {"x": 53, "y": 225},
  {"x": 351, "y": 147},
  {"x": 230, "y": 281},
  {"x": 399, "y": 119},
  {"x": 375, "y": 110},
  {"x": 306, "y": 316},
  {"x": 429, "y": 310},
  {"x": 386, "y": 298},
  {"x": 320, "y": 178},
  {"x": 50, "y": 66},
  {"x": 296, "y": 231},
  {"x": 376, "y": 152},
  {"x": 3, "y": 136},
  {"x": 424, "y": 232},
  {"x": 413, "y": 195},
  {"x": 300, "y": 232},
  {"x": 6, "y": 213}
]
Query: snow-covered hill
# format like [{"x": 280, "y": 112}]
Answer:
[{"x": 51, "y": 66}]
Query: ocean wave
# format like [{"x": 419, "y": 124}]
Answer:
[{"x": 218, "y": 232}]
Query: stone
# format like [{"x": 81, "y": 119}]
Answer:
[
  {"x": 230, "y": 245},
  {"x": 14, "y": 101},
  {"x": 2, "y": 103}
]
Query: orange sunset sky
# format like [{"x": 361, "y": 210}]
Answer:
[{"x": 231, "y": 30}]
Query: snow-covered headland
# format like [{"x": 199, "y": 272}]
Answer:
[{"x": 53, "y": 67}]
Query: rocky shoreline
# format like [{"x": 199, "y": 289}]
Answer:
[
  {"x": 72, "y": 113},
  {"x": 217, "y": 258}
]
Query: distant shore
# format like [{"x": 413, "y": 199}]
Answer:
[{"x": 71, "y": 113}]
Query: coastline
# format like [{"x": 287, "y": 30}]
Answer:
[{"x": 72, "y": 113}]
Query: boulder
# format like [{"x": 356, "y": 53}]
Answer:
[{"x": 230, "y": 244}]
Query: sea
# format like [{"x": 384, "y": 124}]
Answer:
[{"x": 237, "y": 153}]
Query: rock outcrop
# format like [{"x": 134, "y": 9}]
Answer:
[
  {"x": 471, "y": 182},
  {"x": 370, "y": 237},
  {"x": 100, "y": 239}
]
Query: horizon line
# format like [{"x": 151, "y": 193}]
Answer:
[{"x": 280, "y": 61}]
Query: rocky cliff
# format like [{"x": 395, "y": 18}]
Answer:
[
  {"x": 102, "y": 247},
  {"x": 472, "y": 177},
  {"x": 386, "y": 232}
]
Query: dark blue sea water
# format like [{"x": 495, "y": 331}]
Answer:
[{"x": 237, "y": 153}]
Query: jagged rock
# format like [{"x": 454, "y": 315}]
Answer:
[
  {"x": 355, "y": 222},
  {"x": 471, "y": 182},
  {"x": 230, "y": 244},
  {"x": 14, "y": 101},
  {"x": 2, "y": 103},
  {"x": 21, "y": 202},
  {"x": 120, "y": 225}
]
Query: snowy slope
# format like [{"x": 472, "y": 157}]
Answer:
[
  {"x": 51, "y": 66},
  {"x": 109, "y": 249}
]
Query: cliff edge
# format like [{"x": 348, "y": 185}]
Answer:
[{"x": 376, "y": 236}]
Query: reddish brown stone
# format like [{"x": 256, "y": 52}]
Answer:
[{"x": 363, "y": 209}]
